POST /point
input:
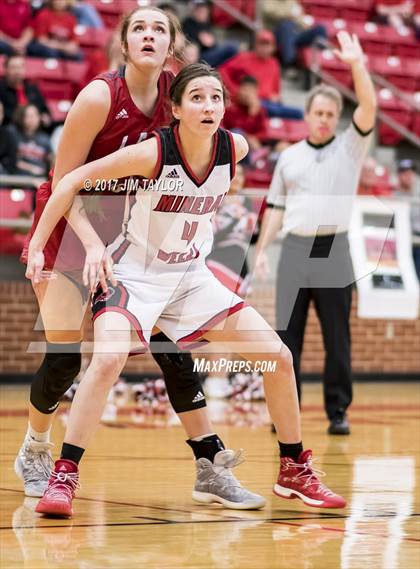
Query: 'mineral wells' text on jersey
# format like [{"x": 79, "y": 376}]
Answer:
[{"x": 169, "y": 226}]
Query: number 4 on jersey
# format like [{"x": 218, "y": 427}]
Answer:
[{"x": 189, "y": 231}]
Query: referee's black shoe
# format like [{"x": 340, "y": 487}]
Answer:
[{"x": 339, "y": 425}]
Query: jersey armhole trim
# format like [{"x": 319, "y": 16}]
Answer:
[
  {"x": 273, "y": 206},
  {"x": 159, "y": 164},
  {"x": 232, "y": 155},
  {"x": 360, "y": 131},
  {"x": 111, "y": 106}
]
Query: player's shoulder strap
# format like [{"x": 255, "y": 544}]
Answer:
[{"x": 227, "y": 153}]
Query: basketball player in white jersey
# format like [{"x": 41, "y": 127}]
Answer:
[{"x": 163, "y": 280}]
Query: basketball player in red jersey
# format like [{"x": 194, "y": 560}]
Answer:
[
  {"x": 163, "y": 280},
  {"x": 116, "y": 109}
]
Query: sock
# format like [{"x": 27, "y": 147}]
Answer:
[
  {"x": 43, "y": 437},
  {"x": 72, "y": 452},
  {"x": 291, "y": 450},
  {"x": 206, "y": 446}
]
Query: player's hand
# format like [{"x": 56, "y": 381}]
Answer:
[
  {"x": 98, "y": 268},
  {"x": 350, "y": 51},
  {"x": 35, "y": 265},
  {"x": 262, "y": 268}
]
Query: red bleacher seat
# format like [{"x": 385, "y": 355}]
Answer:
[
  {"x": 222, "y": 18},
  {"x": 285, "y": 129},
  {"x": 332, "y": 65},
  {"x": 110, "y": 11},
  {"x": 397, "y": 109},
  {"x": 49, "y": 69},
  {"x": 257, "y": 178},
  {"x": 296, "y": 130},
  {"x": 404, "y": 73},
  {"x": 59, "y": 109},
  {"x": 333, "y": 26},
  {"x": 77, "y": 72},
  {"x": 14, "y": 204},
  {"x": 380, "y": 185},
  {"x": 50, "y": 76},
  {"x": 92, "y": 38},
  {"x": 56, "y": 89},
  {"x": 276, "y": 130},
  {"x": 346, "y": 9}
]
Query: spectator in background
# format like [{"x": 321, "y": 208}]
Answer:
[
  {"x": 397, "y": 13},
  {"x": 291, "y": 29},
  {"x": 15, "y": 90},
  {"x": 198, "y": 29},
  {"x": 33, "y": 146},
  {"x": 191, "y": 53},
  {"x": 262, "y": 65},
  {"x": 86, "y": 14},
  {"x": 408, "y": 187},
  {"x": 7, "y": 148},
  {"x": 54, "y": 29},
  {"x": 15, "y": 29},
  {"x": 246, "y": 114}
]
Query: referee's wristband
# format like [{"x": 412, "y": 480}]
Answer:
[{"x": 273, "y": 206}]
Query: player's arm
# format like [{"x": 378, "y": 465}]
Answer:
[
  {"x": 351, "y": 52},
  {"x": 241, "y": 146},
  {"x": 84, "y": 121},
  {"x": 139, "y": 159}
]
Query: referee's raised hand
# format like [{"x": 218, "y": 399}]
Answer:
[{"x": 350, "y": 51}]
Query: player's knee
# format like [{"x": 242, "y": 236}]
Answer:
[
  {"x": 183, "y": 384},
  {"x": 285, "y": 358},
  {"x": 107, "y": 366},
  {"x": 54, "y": 377}
]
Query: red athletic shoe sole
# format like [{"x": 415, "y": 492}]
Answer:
[
  {"x": 58, "y": 509},
  {"x": 290, "y": 494}
]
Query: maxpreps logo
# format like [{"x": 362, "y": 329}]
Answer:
[{"x": 105, "y": 296}]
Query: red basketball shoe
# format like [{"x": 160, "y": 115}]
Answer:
[
  {"x": 300, "y": 480},
  {"x": 58, "y": 497}
]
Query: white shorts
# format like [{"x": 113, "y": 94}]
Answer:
[{"x": 184, "y": 307}]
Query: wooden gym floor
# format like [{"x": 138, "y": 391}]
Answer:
[{"x": 134, "y": 509}]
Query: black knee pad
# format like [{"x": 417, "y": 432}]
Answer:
[
  {"x": 183, "y": 384},
  {"x": 60, "y": 367}
]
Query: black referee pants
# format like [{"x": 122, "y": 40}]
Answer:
[{"x": 318, "y": 270}]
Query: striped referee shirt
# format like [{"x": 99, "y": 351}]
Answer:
[{"x": 316, "y": 184}]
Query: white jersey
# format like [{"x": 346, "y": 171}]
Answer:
[{"x": 168, "y": 227}]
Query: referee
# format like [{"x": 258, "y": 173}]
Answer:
[{"x": 310, "y": 199}]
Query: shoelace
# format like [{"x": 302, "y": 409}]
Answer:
[
  {"x": 225, "y": 472},
  {"x": 39, "y": 458},
  {"x": 310, "y": 475},
  {"x": 67, "y": 482}
]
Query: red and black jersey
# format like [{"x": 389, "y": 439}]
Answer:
[{"x": 125, "y": 125}]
